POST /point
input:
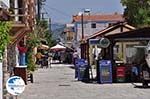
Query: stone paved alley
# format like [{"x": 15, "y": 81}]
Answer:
[{"x": 58, "y": 83}]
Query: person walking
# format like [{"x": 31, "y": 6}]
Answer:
[
  {"x": 75, "y": 57},
  {"x": 39, "y": 57}
]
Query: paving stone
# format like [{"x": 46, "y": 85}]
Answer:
[{"x": 58, "y": 83}]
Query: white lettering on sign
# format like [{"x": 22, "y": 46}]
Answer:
[{"x": 15, "y": 85}]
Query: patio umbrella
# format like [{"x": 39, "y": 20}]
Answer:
[
  {"x": 42, "y": 46},
  {"x": 57, "y": 48}
]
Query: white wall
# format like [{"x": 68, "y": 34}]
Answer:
[
  {"x": 4, "y": 3},
  {"x": 88, "y": 30}
]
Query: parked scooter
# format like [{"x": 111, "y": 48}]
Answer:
[{"x": 146, "y": 67}]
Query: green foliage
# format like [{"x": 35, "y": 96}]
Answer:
[
  {"x": 32, "y": 41},
  {"x": 40, "y": 33},
  {"x": 41, "y": 28},
  {"x": 4, "y": 35},
  {"x": 137, "y": 12},
  {"x": 43, "y": 32},
  {"x": 49, "y": 39},
  {"x": 30, "y": 61}
]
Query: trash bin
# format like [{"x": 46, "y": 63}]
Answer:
[{"x": 21, "y": 71}]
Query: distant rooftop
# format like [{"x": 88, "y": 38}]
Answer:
[{"x": 99, "y": 17}]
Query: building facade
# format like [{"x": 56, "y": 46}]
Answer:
[
  {"x": 94, "y": 23},
  {"x": 4, "y": 14},
  {"x": 23, "y": 15},
  {"x": 68, "y": 35},
  {"x": 86, "y": 24}
]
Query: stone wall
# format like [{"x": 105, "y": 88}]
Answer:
[{"x": 11, "y": 57}]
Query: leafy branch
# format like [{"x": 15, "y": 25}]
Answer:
[{"x": 4, "y": 36}]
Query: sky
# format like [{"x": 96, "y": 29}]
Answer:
[{"x": 61, "y": 11}]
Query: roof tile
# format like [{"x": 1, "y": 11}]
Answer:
[{"x": 102, "y": 17}]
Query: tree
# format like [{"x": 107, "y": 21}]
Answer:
[
  {"x": 49, "y": 39},
  {"x": 43, "y": 32},
  {"x": 137, "y": 12},
  {"x": 32, "y": 42},
  {"x": 4, "y": 35},
  {"x": 4, "y": 40},
  {"x": 40, "y": 33},
  {"x": 41, "y": 28}
]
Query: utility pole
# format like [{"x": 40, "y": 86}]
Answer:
[
  {"x": 82, "y": 25},
  {"x": 50, "y": 22},
  {"x": 39, "y": 9},
  {"x": 42, "y": 15}
]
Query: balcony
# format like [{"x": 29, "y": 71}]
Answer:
[
  {"x": 22, "y": 18},
  {"x": 19, "y": 20}
]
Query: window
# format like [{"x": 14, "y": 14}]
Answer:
[
  {"x": 69, "y": 36},
  {"x": 93, "y": 25}
]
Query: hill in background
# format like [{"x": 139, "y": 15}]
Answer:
[{"x": 57, "y": 30}]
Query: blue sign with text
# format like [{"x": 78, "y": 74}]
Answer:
[{"x": 105, "y": 69}]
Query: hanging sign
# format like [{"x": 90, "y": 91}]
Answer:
[
  {"x": 93, "y": 41},
  {"x": 104, "y": 42}
]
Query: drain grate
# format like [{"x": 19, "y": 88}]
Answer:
[
  {"x": 68, "y": 74},
  {"x": 62, "y": 78},
  {"x": 64, "y": 85}
]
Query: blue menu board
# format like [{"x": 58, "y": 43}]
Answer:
[{"x": 105, "y": 71}]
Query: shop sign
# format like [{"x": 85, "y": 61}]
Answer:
[
  {"x": 15, "y": 85},
  {"x": 104, "y": 42},
  {"x": 93, "y": 41}
]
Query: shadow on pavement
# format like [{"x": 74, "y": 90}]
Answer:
[{"x": 72, "y": 67}]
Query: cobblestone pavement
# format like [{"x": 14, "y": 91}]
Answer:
[{"x": 58, "y": 83}]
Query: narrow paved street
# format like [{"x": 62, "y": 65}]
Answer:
[{"x": 58, "y": 83}]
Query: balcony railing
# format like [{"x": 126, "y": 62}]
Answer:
[{"x": 18, "y": 15}]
